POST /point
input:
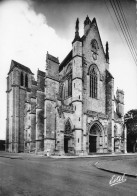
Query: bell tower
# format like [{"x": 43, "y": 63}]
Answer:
[{"x": 18, "y": 82}]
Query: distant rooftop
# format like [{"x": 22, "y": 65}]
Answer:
[{"x": 41, "y": 73}]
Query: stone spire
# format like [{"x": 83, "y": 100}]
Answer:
[
  {"x": 87, "y": 21},
  {"x": 107, "y": 53},
  {"x": 77, "y": 25},
  {"x": 77, "y": 37}
]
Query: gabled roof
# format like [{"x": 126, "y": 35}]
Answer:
[
  {"x": 52, "y": 58},
  {"x": 19, "y": 66},
  {"x": 94, "y": 23}
]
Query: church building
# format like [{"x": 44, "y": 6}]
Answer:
[{"x": 71, "y": 107}]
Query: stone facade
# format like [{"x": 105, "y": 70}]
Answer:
[{"x": 71, "y": 108}]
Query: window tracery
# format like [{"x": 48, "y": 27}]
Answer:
[{"x": 93, "y": 83}]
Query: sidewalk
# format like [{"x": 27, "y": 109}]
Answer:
[
  {"x": 93, "y": 156},
  {"x": 27, "y": 155},
  {"x": 19, "y": 155},
  {"x": 127, "y": 167}
]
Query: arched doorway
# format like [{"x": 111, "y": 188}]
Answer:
[
  {"x": 68, "y": 138},
  {"x": 95, "y": 139}
]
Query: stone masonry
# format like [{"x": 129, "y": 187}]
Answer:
[{"x": 71, "y": 108}]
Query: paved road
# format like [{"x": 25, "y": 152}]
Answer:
[{"x": 59, "y": 177}]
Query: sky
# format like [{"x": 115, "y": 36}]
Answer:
[{"x": 30, "y": 28}]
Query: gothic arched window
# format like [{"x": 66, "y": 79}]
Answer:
[
  {"x": 21, "y": 79},
  {"x": 70, "y": 86},
  {"x": 93, "y": 83},
  {"x": 26, "y": 80},
  {"x": 67, "y": 127}
]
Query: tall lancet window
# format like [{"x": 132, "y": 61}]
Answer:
[
  {"x": 26, "y": 80},
  {"x": 70, "y": 86},
  {"x": 93, "y": 83},
  {"x": 21, "y": 79}
]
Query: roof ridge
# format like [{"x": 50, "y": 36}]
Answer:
[{"x": 20, "y": 66}]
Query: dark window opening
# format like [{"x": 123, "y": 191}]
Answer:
[
  {"x": 26, "y": 80},
  {"x": 21, "y": 79},
  {"x": 70, "y": 86}
]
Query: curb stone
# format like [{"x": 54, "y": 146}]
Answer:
[
  {"x": 112, "y": 171},
  {"x": 93, "y": 156}
]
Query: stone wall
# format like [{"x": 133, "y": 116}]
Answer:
[
  {"x": 40, "y": 111},
  {"x": 110, "y": 109},
  {"x": 51, "y": 94},
  {"x": 22, "y": 95}
]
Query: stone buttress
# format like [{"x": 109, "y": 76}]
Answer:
[{"x": 51, "y": 91}]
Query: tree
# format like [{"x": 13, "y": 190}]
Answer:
[{"x": 131, "y": 124}]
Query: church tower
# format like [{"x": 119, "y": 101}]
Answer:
[
  {"x": 18, "y": 81},
  {"x": 77, "y": 88}
]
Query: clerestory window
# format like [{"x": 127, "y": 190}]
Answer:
[{"x": 70, "y": 86}]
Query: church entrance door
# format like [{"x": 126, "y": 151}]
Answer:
[
  {"x": 95, "y": 138},
  {"x": 66, "y": 144},
  {"x": 68, "y": 138},
  {"x": 92, "y": 144}
]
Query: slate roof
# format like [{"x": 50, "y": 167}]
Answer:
[
  {"x": 19, "y": 66},
  {"x": 52, "y": 58},
  {"x": 66, "y": 60}
]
